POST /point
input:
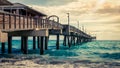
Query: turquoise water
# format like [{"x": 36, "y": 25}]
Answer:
[{"x": 98, "y": 51}]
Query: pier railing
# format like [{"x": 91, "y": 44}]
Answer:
[
  {"x": 76, "y": 30},
  {"x": 10, "y": 21}
]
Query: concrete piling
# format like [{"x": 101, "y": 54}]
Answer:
[
  {"x": 3, "y": 47},
  {"x": 57, "y": 42},
  {"x": 9, "y": 44},
  {"x": 42, "y": 46},
  {"x": 34, "y": 42}
]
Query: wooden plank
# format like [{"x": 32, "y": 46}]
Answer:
[
  {"x": 43, "y": 32},
  {"x": 3, "y": 21}
]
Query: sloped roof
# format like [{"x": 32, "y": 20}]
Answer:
[
  {"x": 22, "y": 6},
  {"x": 29, "y": 9},
  {"x": 5, "y": 2}
]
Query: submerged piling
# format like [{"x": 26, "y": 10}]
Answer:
[
  {"x": 41, "y": 46},
  {"x": 57, "y": 42},
  {"x": 34, "y": 42},
  {"x": 9, "y": 44},
  {"x": 3, "y": 47},
  {"x": 38, "y": 42},
  {"x": 46, "y": 43},
  {"x": 25, "y": 45},
  {"x": 68, "y": 42},
  {"x": 22, "y": 43},
  {"x": 64, "y": 41}
]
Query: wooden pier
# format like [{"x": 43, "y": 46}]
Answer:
[{"x": 19, "y": 20}]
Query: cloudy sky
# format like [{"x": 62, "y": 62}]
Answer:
[{"x": 100, "y": 17}]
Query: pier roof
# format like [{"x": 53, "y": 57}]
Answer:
[
  {"x": 5, "y": 2},
  {"x": 30, "y": 9},
  {"x": 23, "y": 7}
]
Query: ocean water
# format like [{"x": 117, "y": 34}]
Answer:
[{"x": 95, "y": 51}]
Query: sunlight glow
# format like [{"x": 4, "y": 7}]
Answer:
[{"x": 98, "y": 5}]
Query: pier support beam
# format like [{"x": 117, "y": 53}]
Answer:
[
  {"x": 22, "y": 43},
  {"x": 9, "y": 44},
  {"x": 3, "y": 47},
  {"x": 64, "y": 41},
  {"x": 74, "y": 40},
  {"x": 57, "y": 42},
  {"x": 69, "y": 42},
  {"x": 34, "y": 42},
  {"x": 82, "y": 40},
  {"x": 77, "y": 40},
  {"x": 38, "y": 42},
  {"x": 46, "y": 43},
  {"x": 25, "y": 45},
  {"x": 42, "y": 46}
]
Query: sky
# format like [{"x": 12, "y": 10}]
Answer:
[{"x": 101, "y": 18}]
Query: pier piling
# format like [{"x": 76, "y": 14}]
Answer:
[
  {"x": 9, "y": 44},
  {"x": 64, "y": 41},
  {"x": 57, "y": 42},
  {"x": 3, "y": 47},
  {"x": 74, "y": 40},
  {"x": 34, "y": 42},
  {"x": 41, "y": 47},
  {"x": 22, "y": 43},
  {"x": 25, "y": 45},
  {"x": 38, "y": 42},
  {"x": 69, "y": 42},
  {"x": 46, "y": 43}
]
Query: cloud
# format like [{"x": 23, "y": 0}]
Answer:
[
  {"x": 44, "y": 2},
  {"x": 102, "y": 19},
  {"x": 58, "y": 2},
  {"x": 109, "y": 9}
]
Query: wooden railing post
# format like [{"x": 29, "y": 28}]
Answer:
[
  {"x": 30, "y": 22},
  {"x": 23, "y": 22},
  {"x": 33, "y": 22},
  {"x": 43, "y": 23},
  {"x": 38, "y": 23},
  {"x": 3, "y": 21},
  {"x": 19, "y": 21},
  {"x": 27, "y": 23},
  {"x": 15, "y": 21},
  {"x": 9, "y": 21}
]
